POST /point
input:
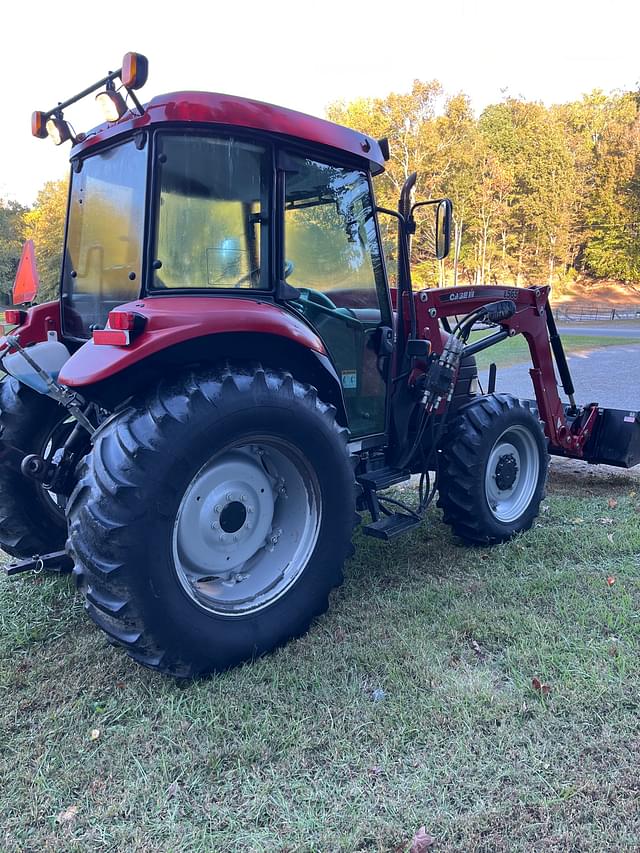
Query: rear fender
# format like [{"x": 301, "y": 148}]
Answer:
[
  {"x": 40, "y": 320},
  {"x": 173, "y": 320},
  {"x": 183, "y": 331}
]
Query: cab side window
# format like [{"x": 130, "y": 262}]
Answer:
[
  {"x": 333, "y": 258},
  {"x": 331, "y": 244}
]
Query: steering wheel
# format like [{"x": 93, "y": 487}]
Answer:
[
  {"x": 247, "y": 277},
  {"x": 288, "y": 269},
  {"x": 307, "y": 294}
]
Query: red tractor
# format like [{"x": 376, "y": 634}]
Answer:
[{"x": 228, "y": 379}]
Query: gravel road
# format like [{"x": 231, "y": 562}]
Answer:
[
  {"x": 611, "y": 331},
  {"x": 609, "y": 376}
]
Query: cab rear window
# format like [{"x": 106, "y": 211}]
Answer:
[{"x": 103, "y": 252}]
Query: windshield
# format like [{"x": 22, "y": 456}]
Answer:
[
  {"x": 103, "y": 254},
  {"x": 212, "y": 225}
]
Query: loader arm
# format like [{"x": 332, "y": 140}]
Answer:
[{"x": 567, "y": 429}]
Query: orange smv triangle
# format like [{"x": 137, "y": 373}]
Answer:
[{"x": 26, "y": 284}]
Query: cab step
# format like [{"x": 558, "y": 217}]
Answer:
[
  {"x": 383, "y": 478},
  {"x": 385, "y": 526},
  {"x": 388, "y": 526}
]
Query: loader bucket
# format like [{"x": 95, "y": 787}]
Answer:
[{"x": 615, "y": 439}]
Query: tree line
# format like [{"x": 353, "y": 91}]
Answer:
[
  {"x": 44, "y": 224},
  {"x": 541, "y": 194}
]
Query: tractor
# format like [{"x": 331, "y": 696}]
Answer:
[{"x": 228, "y": 385}]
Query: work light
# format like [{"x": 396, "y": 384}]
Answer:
[
  {"x": 133, "y": 74},
  {"x": 112, "y": 104},
  {"x": 58, "y": 130}
]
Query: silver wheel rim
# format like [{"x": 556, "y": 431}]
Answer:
[
  {"x": 512, "y": 473},
  {"x": 246, "y": 526}
]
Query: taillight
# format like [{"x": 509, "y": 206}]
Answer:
[
  {"x": 126, "y": 321},
  {"x": 121, "y": 327},
  {"x": 15, "y": 317}
]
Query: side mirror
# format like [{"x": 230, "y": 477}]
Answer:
[
  {"x": 442, "y": 225},
  {"x": 443, "y": 228}
]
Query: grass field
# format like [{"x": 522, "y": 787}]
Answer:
[
  {"x": 515, "y": 350},
  {"x": 411, "y": 703}
]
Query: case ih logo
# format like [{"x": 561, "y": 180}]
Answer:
[{"x": 456, "y": 297}]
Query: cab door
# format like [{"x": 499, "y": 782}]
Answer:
[{"x": 332, "y": 256}]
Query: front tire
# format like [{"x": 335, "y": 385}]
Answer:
[
  {"x": 493, "y": 469},
  {"x": 212, "y": 519}
]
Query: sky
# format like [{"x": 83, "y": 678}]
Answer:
[{"x": 302, "y": 55}]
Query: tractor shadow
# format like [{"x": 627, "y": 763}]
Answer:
[
  {"x": 574, "y": 478},
  {"x": 432, "y": 553}
]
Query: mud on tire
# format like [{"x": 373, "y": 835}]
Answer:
[{"x": 137, "y": 537}]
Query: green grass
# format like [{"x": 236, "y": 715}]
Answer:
[
  {"x": 516, "y": 350},
  {"x": 292, "y": 753}
]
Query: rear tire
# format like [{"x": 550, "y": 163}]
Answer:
[
  {"x": 30, "y": 521},
  {"x": 493, "y": 469},
  {"x": 212, "y": 519}
]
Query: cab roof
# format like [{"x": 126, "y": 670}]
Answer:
[{"x": 233, "y": 111}]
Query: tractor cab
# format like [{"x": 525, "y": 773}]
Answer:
[{"x": 207, "y": 195}]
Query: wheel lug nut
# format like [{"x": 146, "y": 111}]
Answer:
[
  {"x": 218, "y": 508},
  {"x": 229, "y": 496},
  {"x": 215, "y": 525},
  {"x": 249, "y": 509},
  {"x": 243, "y": 498}
]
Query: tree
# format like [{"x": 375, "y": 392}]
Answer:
[
  {"x": 44, "y": 224},
  {"x": 459, "y": 128},
  {"x": 540, "y": 178},
  {"x": 606, "y": 135},
  {"x": 407, "y": 122}
]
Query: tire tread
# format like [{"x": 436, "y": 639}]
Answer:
[
  {"x": 105, "y": 502},
  {"x": 461, "y": 466}
]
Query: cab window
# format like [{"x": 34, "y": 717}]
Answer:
[
  {"x": 211, "y": 213},
  {"x": 103, "y": 252},
  {"x": 331, "y": 244},
  {"x": 332, "y": 257}
]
